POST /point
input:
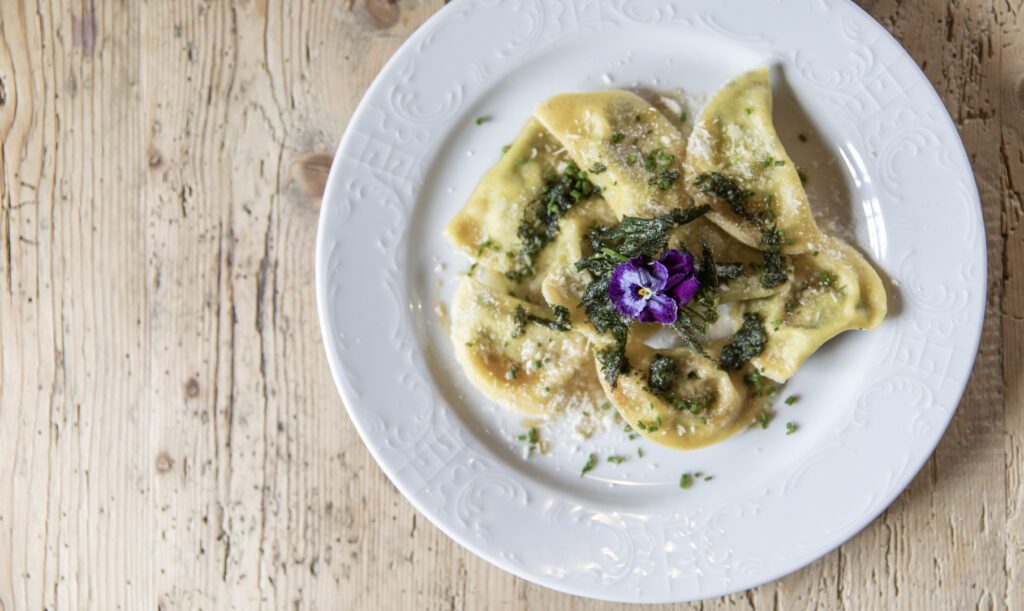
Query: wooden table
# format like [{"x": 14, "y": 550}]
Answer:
[{"x": 170, "y": 436}]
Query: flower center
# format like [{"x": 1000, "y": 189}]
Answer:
[{"x": 645, "y": 292}]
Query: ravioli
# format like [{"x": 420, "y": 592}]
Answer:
[
  {"x": 588, "y": 160},
  {"x": 523, "y": 365},
  {"x": 831, "y": 292},
  {"x": 703, "y": 406},
  {"x": 735, "y": 137},
  {"x": 640, "y": 151},
  {"x": 485, "y": 228}
]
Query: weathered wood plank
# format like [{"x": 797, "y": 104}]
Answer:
[{"x": 169, "y": 432}]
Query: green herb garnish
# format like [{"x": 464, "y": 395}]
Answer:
[
  {"x": 662, "y": 375},
  {"x": 659, "y": 163},
  {"x": 617, "y": 460},
  {"x": 618, "y": 137},
  {"x": 791, "y": 399},
  {"x": 482, "y": 120},
  {"x": 747, "y": 343},
  {"x": 791, "y": 428},
  {"x": 539, "y": 227},
  {"x": 591, "y": 463},
  {"x": 630, "y": 238},
  {"x": 697, "y": 404},
  {"x": 521, "y": 317},
  {"x": 739, "y": 199},
  {"x": 512, "y": 373},
  {"x": 761, "y": 385},
  {"x": 763, "y": 419},
  {"x": 685, "y": 481}
]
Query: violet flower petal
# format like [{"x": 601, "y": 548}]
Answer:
[
  {"x": 677, "y": 262},
  {"x": 660, "y": 309},
  {"x": 622, "y": 290},
  {"x": 683, "y": 292},
  {"x": 659, "y": 277}
]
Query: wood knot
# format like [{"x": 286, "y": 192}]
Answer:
[
  {"x": 383, "y": 13},
  {"x": 164, "y": 462},
  {"x": 311, "y": 171},
  {"x": 192, "y": 388},
  {"x": 154, "y": 158}
]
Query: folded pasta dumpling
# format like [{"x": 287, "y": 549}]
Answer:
[
  {"x": 832, "y": 290},
  {"x": 735, "y": 162},
  {"x": 515, "y": 210},
  {"x": 633, "y": 153},
  {"x": 511, "y": 351},
  {"x": 678, "y": 398}
]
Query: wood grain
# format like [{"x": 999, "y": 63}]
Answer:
[{"x": 170, "y": 436}]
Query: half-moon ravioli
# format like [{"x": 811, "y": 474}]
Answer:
[
  {"x": 832, "y": 290},
  {"x": 485, "y": 228},
  {"x": 735, "y": 140},
  {"x": 516, "y": 361},
  {"x": 632, "y": 151},
  {"x": 701, "y": 405}
]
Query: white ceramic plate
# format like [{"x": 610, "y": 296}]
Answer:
[{"x": 885, "y": 165}]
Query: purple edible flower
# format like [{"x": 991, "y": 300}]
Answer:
[{"x": 653, "y": 291}]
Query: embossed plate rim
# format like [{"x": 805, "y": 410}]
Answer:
[{"x": 667, "y": 556}]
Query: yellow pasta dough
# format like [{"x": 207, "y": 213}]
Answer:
[
  {"x": 735, "y": 137},
  {"x": 528, "y": 367},
  {"x": 704, "y": 405},
  {"x": 830, "y": 292},
  {"x": 640, "y": 150}
]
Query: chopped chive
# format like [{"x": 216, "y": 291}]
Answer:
[
  {"x": 708, "y": 478},
  {"x": 685, "y": 481},
  {"x": 779, "y": 163},
  {"x": 791, "y": 428},
  {"x": 482, "y": 120},
  {"x": 591, "y": 463},
  {"x": 505, "y": 148},
  {"x": 763, "y": 419},
  {"x": 640, "y": 452},
  {"x": 618, "y": 137},
  {"x": 512, "y": 373},
  {"x": 683, "y": 116},
  {"x": 616, "y": 460},
  {"x": 748, "y": 110},
  {"x": 791, "y": 399}
]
